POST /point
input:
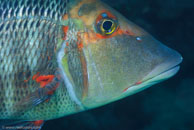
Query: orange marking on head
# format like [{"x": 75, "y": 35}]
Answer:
[
  {"x": 92, "y": 37},
  {"x": 65, "y": 30},
  {"x": 118, "y": 31},
  {"x": 44, "y": 80},
  {"x": 99, "y": 18},
  {"x": 89, "y": 37},
  {"x": 110, "y": 15},
  {"x": 80, "y": 41}
]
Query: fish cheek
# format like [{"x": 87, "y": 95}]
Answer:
[{"x": 76, "y": 68}]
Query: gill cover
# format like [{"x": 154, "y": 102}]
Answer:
[{"x": 105, "y": 54}]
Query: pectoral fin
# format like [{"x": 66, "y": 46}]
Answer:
[{"x": 37, "y": 97}]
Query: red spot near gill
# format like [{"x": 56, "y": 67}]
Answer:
[
  {"x": 38, "y": 123},
  {"x": 44, "y": 79}
]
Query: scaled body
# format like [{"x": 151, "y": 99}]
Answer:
[{"x": 30, "y": 34}]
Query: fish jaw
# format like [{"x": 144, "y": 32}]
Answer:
[
  {"x": 146, "y": 84},
  {"x": 159, "y": 74}
]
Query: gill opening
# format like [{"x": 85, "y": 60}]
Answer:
[{"x": 68, "y": 84}]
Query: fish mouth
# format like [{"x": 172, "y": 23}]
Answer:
[
  {"x": 164, "y": 71},
  {"x": 159, "y": 74},
  {"x": 163, "y": 75}
]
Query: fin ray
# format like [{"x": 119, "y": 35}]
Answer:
[{"x": 37, "y": 97}]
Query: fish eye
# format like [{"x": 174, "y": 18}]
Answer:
[{"x": 106, "y": 25}]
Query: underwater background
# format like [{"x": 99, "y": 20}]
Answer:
[{"x": 165, "y": 106}]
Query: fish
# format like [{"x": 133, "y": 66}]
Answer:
[{"x": 60, "y": 57}]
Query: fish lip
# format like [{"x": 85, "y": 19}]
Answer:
[
  {"x": 168, "y": 68},
  {"x": 173, "y": 71},
  {"x": 141, "y": 85},
  {"x": 153, "y": 79}
]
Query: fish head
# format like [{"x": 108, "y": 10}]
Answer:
[{"x": 119, "y": 58}]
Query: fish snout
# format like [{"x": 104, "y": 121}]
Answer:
[
  {"x": 156, "y": 63},
  {"x": 168, "y": 65}
]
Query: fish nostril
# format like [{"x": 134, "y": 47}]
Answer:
[{"x": 139, "y": 39}]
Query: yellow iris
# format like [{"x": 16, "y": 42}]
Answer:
[{"x": 108, "y": 26}]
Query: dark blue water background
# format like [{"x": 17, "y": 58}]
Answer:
[{"x": 165, "y": 106}]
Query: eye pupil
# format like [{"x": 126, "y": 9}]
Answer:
[{"x": 107, "y": 25}]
